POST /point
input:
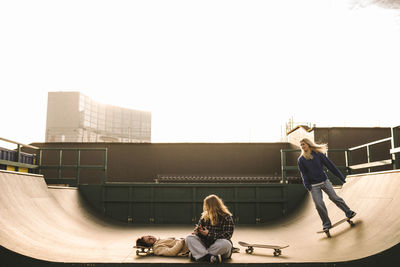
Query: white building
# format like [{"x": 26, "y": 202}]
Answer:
[{"x": 74, "y": 117}]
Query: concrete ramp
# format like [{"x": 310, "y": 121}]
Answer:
[{"x": 54, "y": 224}]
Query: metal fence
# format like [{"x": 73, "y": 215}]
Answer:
[
  {"x": 348, "y": 154},
  {"x": 77, "y": 167}
]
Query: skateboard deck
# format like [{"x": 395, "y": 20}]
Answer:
[
  {"x": 144, "y": 251},
  {"x": 328, "y": 234},
  {"x": 250, "y": 247}
]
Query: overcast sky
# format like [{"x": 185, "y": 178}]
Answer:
[{"x": 209, "y": 71}]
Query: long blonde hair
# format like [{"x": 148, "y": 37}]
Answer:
[
  {"x": 213, "y": 206},
  {"x": 321, "y": 148}
]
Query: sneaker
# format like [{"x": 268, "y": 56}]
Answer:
[
  {"x": 352, "y": 214},
  {"x": 235, "y": 250},
  {"x": 216, "y": 259},
  {"x": 191, "y": 256},
  {"x": 205, "y": 258}
]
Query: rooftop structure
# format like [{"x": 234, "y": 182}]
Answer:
[{"x": 75, "y": 117}]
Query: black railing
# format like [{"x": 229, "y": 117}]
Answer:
[
  {"x": 348, "y": 153},
  {"x": 18, "y": 160},
  {"x": 77, "y": 166}
]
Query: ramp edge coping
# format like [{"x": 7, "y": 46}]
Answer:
[
  {"x": 23, "y": 173},
  {"x": 372, "y": 173}
]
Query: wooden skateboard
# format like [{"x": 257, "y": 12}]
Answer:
[
  {"x": 250, "y": 248},
  {"x": 144, "y": 251},
  {"x": 328, "y": 234}
]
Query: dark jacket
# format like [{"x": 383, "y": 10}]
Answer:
[
  {"x": 222, "y": 230},
  {"x": 312, "y": 171}
]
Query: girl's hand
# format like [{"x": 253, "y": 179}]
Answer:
[
  {"x": 203, "y": 231},
  {"x": 196, "y": 229}
]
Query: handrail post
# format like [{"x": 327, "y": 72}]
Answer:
[
  {"x": 78, "y": 164},
  {"x": 369, "y": 156},
  {"x": 60, "y": 163},
  {"x": 348, "y": 161},
  {"x": 395, "y": 143},
  {"x": 105, "y": 166},
  {"x": 345, "y": 161},
  {"x": 283, "y": 164},
  {"x": 39, "y": 160},
  {"x": 18, "y": 155}
]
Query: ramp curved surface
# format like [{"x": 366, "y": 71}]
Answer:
[{"x": 54, "y": 224}]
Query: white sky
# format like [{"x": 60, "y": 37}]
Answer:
[{"x": 209, "y": 71}]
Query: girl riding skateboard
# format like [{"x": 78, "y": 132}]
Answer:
[{"x": 315, "y": 180}]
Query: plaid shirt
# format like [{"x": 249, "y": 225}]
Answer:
[{"x": 222, "y": 230}]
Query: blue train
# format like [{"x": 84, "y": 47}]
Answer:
[{"x": 8, "y": 156}]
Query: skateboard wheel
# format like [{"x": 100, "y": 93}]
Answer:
[
  {"x": 328, "y": 234},
  {"x": 249, "y": 250},
  {"x": 277, "y": 252},
  {"x": 137, "y": 252}
]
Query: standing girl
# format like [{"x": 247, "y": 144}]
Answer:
[{"x": 310, "y": 163}]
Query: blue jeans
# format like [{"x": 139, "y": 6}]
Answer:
[{"x": 316, "y": 193}]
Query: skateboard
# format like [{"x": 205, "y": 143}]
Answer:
[
  {"x": 328, "y": 234},
  {"x": 250, "y": 248},
  {"x": 144, "y": 251}
]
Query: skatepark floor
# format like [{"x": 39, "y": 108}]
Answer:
[{"x": 54, "y": 224}]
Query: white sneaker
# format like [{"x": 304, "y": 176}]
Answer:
[
  {"x": 191, "y": 256},
  {"x": 216, "y": 259}
]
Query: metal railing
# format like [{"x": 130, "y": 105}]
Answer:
[
  {"x": 370, "y": 163},
  {"x": 77, "y": 166},
  {"x": 16, "y": 162},
  {"x": 284, "y": 167},
  {"x": 395, "y": 148},
  {"x": 348, "y": 153},
  {"x": 393, "y": 151}
]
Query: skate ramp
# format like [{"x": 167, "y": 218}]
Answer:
[{"x": 54, "y": 224}]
